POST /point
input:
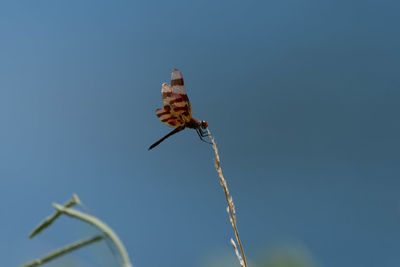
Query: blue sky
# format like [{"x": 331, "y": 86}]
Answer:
[{"x": 302, "y": 98}]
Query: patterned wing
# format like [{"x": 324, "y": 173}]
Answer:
[
  {"x": 166, "y": 94},
  {"x": 170, "y": 119},
  {"x": 179, "y": 100}
]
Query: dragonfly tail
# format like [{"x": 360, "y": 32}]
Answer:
[{"x": 174, "y": 131}]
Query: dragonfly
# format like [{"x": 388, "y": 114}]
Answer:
[{"x": 176, "y": 111}]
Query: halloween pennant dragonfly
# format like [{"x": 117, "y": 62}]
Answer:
[{"x": 176, "y": 111}]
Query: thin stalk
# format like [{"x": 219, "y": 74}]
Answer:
[
  {"x": 61, "y": 251},
  {"x": 50, "y": 219},
  {"x": 102, "y": 226},
  {"x": 231, "y": 206}
]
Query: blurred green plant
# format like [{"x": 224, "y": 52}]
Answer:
[
  {"x": 67, "y": 210},
  {"x": 289, "y": 255},
  {"x": 293, "y": 254}
]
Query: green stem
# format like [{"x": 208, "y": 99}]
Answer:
[
  {"x": 102, "y": 226},
  {"x": 61, "y": 251},
  {"x": 49, "y": 220}
]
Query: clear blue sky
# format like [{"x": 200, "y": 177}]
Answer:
[{"x": 302, "y": 97}]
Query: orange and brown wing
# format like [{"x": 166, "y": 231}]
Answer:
[
  {"x": 170, "y": 119},
  {"x": 166, "y": 95},
  {"x": 178, "y": 99}
]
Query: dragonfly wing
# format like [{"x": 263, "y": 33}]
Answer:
[
  {"x": 166, "y": 94},
  {"x": 179, "y": 100},
  {"x": 170, "y": 119}
]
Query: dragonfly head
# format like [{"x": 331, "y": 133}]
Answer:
[{"x": 203, "y": 125}]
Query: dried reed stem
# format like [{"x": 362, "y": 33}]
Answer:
[{"x": 231, "y": 207}]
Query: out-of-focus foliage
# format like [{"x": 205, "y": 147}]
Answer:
[{"x": 288, "y": 256}]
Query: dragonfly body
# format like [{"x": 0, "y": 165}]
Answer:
[{"x": 176, "y": 111}]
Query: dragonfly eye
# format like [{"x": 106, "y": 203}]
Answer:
[{"x": 204, "y": 124}]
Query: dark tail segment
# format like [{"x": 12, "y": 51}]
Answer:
[{"x": 174, "y": 131}]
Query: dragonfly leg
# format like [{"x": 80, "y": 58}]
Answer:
[{"x": 201, "y": 135}]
